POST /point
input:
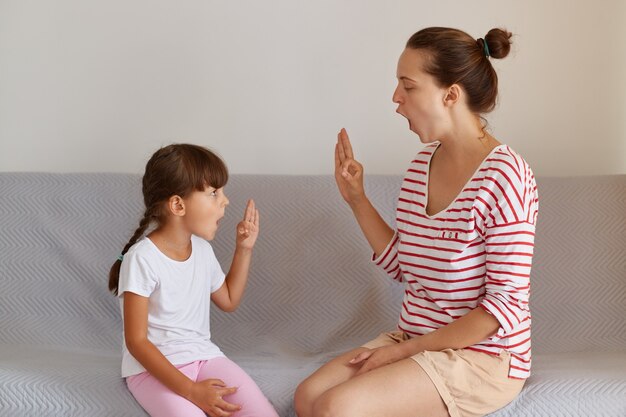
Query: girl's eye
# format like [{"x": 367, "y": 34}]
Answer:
[{"x": 213, "y": 193}]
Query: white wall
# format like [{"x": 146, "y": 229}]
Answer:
[{"x": 99, "y": 85}]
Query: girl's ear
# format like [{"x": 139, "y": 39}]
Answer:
[
  {"x": 453, "y": 95},
  {"x": 176, "y": 205}
]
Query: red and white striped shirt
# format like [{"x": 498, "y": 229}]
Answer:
[{"x": 476, "y": 252}]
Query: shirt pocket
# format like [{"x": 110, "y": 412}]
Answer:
[{"x": 454, "y": 239}]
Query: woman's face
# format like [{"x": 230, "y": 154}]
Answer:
[{"x": 419, "y": 98}]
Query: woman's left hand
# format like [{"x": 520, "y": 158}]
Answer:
[
  {"x": 248, "y": 228},
  {"x": 375, "y": 358}
]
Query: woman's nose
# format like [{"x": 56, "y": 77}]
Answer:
[{"x": 396, "y": 97}]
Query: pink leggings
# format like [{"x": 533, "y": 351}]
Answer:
[{"x": 158, "y": 400}]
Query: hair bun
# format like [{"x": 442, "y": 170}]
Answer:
[{"x": 499, "y": 42}]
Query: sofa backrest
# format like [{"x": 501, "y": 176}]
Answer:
[{"x": 312, "y": 287}]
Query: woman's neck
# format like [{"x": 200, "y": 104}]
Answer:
[{"x": 467, "y": 139}]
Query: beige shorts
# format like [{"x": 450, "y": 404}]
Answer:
[{"x": 470, "y": 383}]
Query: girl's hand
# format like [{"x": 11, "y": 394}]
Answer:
[
  {"x": 348, "y": 171},
  {"x": 375, "y": 358},
  {"x": 207, "y": 395},
  {"x": 248, "y": 228}
]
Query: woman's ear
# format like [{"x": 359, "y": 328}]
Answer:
[
  {"x": 176, "y": 205},
  {"x": 453, "y": 95}
]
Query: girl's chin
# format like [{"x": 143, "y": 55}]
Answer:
[{"x": 209, "y": 234}]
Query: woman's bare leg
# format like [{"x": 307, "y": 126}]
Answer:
[
  {"x": 401, "y": 389},
  {"x": 328, "y": 376}
]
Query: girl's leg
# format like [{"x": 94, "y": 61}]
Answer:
[
  {"x": 160, "y": 401},
  {"x": 335, "y": 372},
  {"x": 401, "y": 389},
  {"x": 248, "y": 395}
]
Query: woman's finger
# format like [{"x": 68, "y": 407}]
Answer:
[
  {"x": 337, "y": 160},
  {"x": 361, "y": 357},
  {"x": 340, "y": 150},
  {"x": 365, "y": 368},
  {"x": 345, "y": 141},
  {"x": 350, "y": 169}
]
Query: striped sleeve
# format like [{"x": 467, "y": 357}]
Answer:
[
  {"x": 388, "y": 259},
  {"x": 508, "y": 263},
  {"x": 509, "y": 198}
]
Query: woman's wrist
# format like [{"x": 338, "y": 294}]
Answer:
[
  {"x": 358, "y": 203},
  {"x": 410, "y": 347}
]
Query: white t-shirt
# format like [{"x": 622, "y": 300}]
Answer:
[{"x": 180, "y": 300}]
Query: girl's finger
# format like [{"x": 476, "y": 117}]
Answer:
[
  {"x": 248, "y": 213},
  {"x": 226, "y": 406},
  {"x": 218, "y": 412},
  {"x": 256, "y": 218},
  {"x": 217, "y": 382}
]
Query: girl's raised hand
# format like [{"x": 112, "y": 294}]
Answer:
[
  {"x": 248, "y": 228},
  {"x": 208, "y": 395},
  {"x": 348, "y": 171}
]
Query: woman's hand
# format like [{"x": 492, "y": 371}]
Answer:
[
  {"x": 207, "y": 395},
  {"x": 375, "y": 358},
  {"x": 348, "y": 171},
  {"x": 248, "y": 228}
]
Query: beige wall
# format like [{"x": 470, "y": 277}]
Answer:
[{"x": 98, "y": 86}]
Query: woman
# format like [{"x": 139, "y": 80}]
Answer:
[{"x": 463, "y": 247}]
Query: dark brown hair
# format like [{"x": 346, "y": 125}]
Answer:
[
  {"x": 176, "y": 169},
  {"x": 457, "y": 58}
]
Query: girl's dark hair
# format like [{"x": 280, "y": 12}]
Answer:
[
  {"x": 454, "y": 57},
  {"x": 177, "y": 169}
]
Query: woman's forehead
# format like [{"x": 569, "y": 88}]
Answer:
[{"x": 411, "y": 64}]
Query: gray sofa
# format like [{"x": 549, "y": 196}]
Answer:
[{"x": 312, "y": 293}]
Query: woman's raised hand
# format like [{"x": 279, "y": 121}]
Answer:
[{"x": 348, "y": 171}]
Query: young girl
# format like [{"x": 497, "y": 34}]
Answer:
[
  {"x": 463, "y": 246},
  {"x": 166, "y": 282}
]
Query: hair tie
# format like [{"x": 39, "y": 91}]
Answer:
[
  {"x": 120, "y": 258},
  {"x": 485, "y": 47}
]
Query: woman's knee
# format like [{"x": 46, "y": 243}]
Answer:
[
  {"x": 303, "y": 399},
  {"x": 333, "y": 403}
]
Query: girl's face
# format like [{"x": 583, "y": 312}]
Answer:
[
  {"x": 203, "y": 211},
  {"x": 419, "y": 98}
]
